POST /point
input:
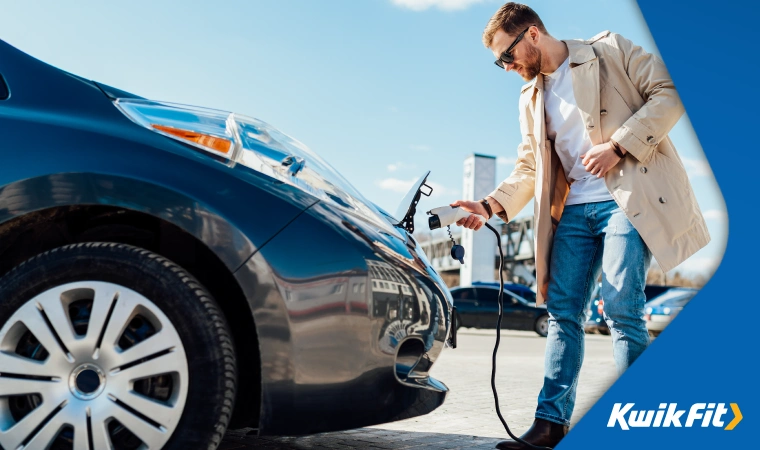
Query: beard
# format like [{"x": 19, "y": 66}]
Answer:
[{"x": 531, "y": 67}]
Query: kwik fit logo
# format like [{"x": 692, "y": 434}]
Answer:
[{"x": 668, "y": 415}]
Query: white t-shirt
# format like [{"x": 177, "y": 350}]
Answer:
[{"x": 564, "y": 126}]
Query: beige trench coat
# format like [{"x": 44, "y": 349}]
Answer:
[{"x": 625, "y": 94}]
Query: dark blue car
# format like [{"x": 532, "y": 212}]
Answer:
[
  {"x": 477, "y": 307},
  {"x": 169, "y": 271},
  {"x": 520, "y": 289}
]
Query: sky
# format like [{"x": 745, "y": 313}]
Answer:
[{"x": 384, "y": 90}]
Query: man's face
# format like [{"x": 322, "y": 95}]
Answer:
[{"x": 527, "y": 56}]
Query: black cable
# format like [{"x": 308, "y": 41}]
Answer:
[{"x": 498, "y": 339}]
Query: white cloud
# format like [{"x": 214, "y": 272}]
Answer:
[
  {"x": 697, "y": 167},
  {"x": 504, "y": 161},
  {"x": 439, "y": 189},
  {"x": 448, "y": 5},
  {"x": 715, "y": 214},
  {"x": 420, "y": 148},
  {"x": 399, "y": 166},
  {"x": 395, "y": 185}
]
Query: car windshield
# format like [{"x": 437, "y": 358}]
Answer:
[{"x": 674, "y": 297}]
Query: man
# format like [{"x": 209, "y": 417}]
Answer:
[{"x": 610, "y": 191}]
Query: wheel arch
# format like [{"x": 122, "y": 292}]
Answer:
[
  {"x": 34, "y": 232},
  {"x": 31, "y": 197}
]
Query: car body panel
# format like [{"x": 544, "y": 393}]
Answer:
[
  {"x": 312, "y": 311},
  {"x": 190, "y": 211}
]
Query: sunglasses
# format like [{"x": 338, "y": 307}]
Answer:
[{"x": 506, "y": 57}]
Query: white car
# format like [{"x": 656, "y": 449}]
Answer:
[{"x": 661, "y": 310}]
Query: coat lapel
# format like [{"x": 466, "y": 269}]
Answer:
[
  {"x": 584, "y": 67},
  {"x": 539, "y": 122}
]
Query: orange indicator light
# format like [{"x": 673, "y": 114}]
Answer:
[{"x": 218, "y": 144}]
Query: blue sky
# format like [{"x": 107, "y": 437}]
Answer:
[{"x": 382, "y": 89}]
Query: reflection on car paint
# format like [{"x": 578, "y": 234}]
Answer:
[{"x": 396, "y": 300}]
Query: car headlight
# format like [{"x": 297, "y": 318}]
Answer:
[
  {"x": 236, "y": 139},
  {"x": 648, "y": 310},
  {"x": 666, "y": 310}
]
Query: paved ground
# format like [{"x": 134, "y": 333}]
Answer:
[{"x": 468, "y": 418}]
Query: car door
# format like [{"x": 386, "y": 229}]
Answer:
[
  {"x": 488, "y": 308},
  {"x": 465, "y": 301},
  {"x": 524, "y": 314}
]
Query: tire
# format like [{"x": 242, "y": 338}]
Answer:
[
  {"x": 89, "y": 331},
  {"x": 542, "y": 325}
]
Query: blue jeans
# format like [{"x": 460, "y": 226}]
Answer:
[{"x": 590, "y": 238}]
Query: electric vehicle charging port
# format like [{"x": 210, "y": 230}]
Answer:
[{"x": 412, "y": 362}]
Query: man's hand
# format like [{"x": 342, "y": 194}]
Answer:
[
  {"x": 472, "y": 222},
  {"x": 600, "y": 159}
]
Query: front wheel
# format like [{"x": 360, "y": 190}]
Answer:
[
  {"x": 107, "y": 346},
  {"x": 542, "y": 325}
]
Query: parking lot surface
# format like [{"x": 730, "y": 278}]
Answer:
[{"x": 467, "y": 420}]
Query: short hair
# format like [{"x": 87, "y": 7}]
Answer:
[{"x": 513, "y": 18}]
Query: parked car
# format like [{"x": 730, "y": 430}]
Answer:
[
  {"x": 167, "y": 271},
  {"x": 478, "y": 307},
  {"x": 595, "y": 322},
  {"x": 661, "y": 310},
  {"x": 520, "y": 289}
]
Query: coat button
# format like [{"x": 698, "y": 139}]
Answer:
[
  {"x": 643, "y": 170},
  {"x": 650, "y": 139},
  {"x": 662, "y": 200},
  {"x": 603, "y": 112}
]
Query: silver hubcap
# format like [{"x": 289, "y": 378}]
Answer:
[
  {"x": 87, "y": 381},
  {"x": 543, "y": 325},
  {"x": 93, "y": 364}
]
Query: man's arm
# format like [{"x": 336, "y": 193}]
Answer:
[
  {"x": 640, "y": 134},
  {"x": 512, "y": 194}
]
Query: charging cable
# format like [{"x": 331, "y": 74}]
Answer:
[
  {"x": 498, "y": 339},
  {"x": 445, "y": 216}
]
